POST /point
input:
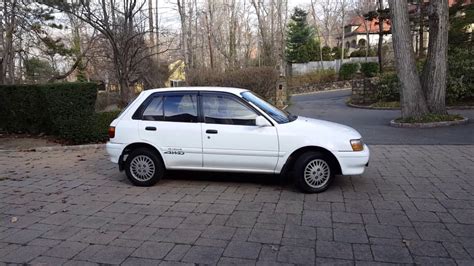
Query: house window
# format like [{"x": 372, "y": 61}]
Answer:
[
  {"x": 354, "y": 44},
  {"x": 362, "y": 43}
]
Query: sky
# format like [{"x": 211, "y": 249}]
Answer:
[{"x": 169, "y": 14}]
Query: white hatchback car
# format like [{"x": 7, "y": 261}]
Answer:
[{"x": 231, "y": 130}]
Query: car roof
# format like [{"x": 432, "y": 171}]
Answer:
[{"x": 197, "y": 88}]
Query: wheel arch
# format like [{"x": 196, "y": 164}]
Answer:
[
  {"x": 290, "y": 162},
  {"x": 129, "y": 148}
]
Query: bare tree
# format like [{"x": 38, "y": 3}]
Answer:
[
  {"x": 412, "y": 98},
  {"x": 122, "y": 25},
  {"x": 264, "y": 18},
  {"x": 343, "y": 15},
  {"x": 318, "y": 31},
  {"x": 2, "y": 42},
  {"x": 381, "y": 34},
  {"x": 9, "y": 11},
  {"x": 435, "y": 70}
]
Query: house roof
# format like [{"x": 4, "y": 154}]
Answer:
[{"x": 372, "y": 26}]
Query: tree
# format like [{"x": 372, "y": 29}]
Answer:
[
  {"x": 420, "y": 96},
  {"x": 381, "y": 14},
  {"x": 434, "y": 74},
  {"x": 38, "y": 70},
  {"x": 343, "y": 14},
  {"x": 121, "y": 25},
  {"x": 301, "y": 45},
  {"x": 461, "y": 17},
  {"x": 265, "y": 25}
]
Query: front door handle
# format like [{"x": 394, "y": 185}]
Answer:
[
  {"x": 150, "y": 128},
  {"x": 211, "y": 131}
]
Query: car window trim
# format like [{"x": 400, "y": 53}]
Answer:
[
  {"x": 231, "y": 95},
  {"x": 138, "y": 115}
]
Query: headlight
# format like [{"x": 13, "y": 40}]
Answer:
[{"x": 357, "y": 144}]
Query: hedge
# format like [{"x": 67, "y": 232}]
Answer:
[
  {"x": 348, "y": 70},
  {"x": 369, "y": 69},
  {"x": 65, "y": 110},
  {"x": 261, "y": 80}
]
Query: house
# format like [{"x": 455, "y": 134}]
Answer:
[
  {"x": 356, "y": 30},
  {"x": 355, "y": 33}
]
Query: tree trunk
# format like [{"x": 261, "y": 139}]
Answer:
[
  {"x": 151, "y": 27},
  {"x": 367, "y": 35},
  {"x": 124, "y": 91},
  {"x": 2, "y": 43},
  {"x": 343, "y": 30},
  {"x": 232, "y": 60},
  {"x": 379, "y": 50},
  {"x": 182, "y": 14},
  {"x": 421, "y": 41},
  {"x": 208, "y": 16},
  {"x": 157, "y": 31},
  {"x": 435, "y": 69},
  {"x": 412, "y": 98}
]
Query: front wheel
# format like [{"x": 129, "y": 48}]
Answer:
[
  {"x": 314, "y": 172},
  {"x": 143, "y": 167}
]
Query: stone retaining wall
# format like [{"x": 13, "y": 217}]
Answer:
[{"x": 364, "y": 91}]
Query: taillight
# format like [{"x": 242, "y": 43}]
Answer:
[{"x": 111, "y": 132}]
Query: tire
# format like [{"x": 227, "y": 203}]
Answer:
[
  {"x": 144, "y": 168},
  {"x": 314, "y": 172}
]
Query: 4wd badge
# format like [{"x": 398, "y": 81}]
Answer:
[{"x": 174, "y": 151}]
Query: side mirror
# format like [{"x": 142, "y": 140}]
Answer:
[{"x": 261, "y": 121}]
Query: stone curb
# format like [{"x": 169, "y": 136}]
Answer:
[
  {"x": 461, "y": 107},
  {"x": 60, "y": 148},
  {"x": 465, "y": 120},
  {"x": 370, "y": 107}
]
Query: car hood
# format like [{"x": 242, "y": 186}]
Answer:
[{"x": 322, "y": 126}]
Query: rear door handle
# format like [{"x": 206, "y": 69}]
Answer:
[
  {"x": 211, "y": 131},
  {"x": 150, "y": 128}
]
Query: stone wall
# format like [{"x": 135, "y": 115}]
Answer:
[
  {"x": 345, "y": 84},
  {"x": 364, "y": 91}
]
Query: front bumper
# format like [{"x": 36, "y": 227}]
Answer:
[
  {"x": 353, "y": 163},
  {"x": 114, "y": 150}
]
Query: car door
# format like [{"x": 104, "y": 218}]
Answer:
[
  {"x": 170, "y": 122},
  {"x": 231, "y": 140}
]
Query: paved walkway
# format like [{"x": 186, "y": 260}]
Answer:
[
  {"x": 415, "y": 204},
  {"x": 374, "y": 124}
]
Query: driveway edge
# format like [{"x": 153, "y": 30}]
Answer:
[
  {"x": 348, "y": 103},
  {"x": 59, "y": 148}
]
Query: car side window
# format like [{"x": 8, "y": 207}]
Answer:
[
  {"x": 154, "y": 110},
  {"x": 221, "y": 109},
  {"x": 180, "y": 108}
]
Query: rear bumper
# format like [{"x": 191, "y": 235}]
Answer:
[
  {"x": 114, "y": 150},
  {"x": 353, "y": 163}
]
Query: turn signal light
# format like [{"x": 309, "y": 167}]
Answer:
[
  {"x": 357, "y": 145},
  {"x": 111, "y": 132}
]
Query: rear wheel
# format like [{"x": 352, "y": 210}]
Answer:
[
  {"x": 314, "y": 172},
  {"x": 143, "y": 167}
]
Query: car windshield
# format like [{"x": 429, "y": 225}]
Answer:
[{"x": 278, "y": 115}]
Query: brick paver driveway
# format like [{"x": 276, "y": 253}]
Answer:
[{"x": 415, "y": 204}]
